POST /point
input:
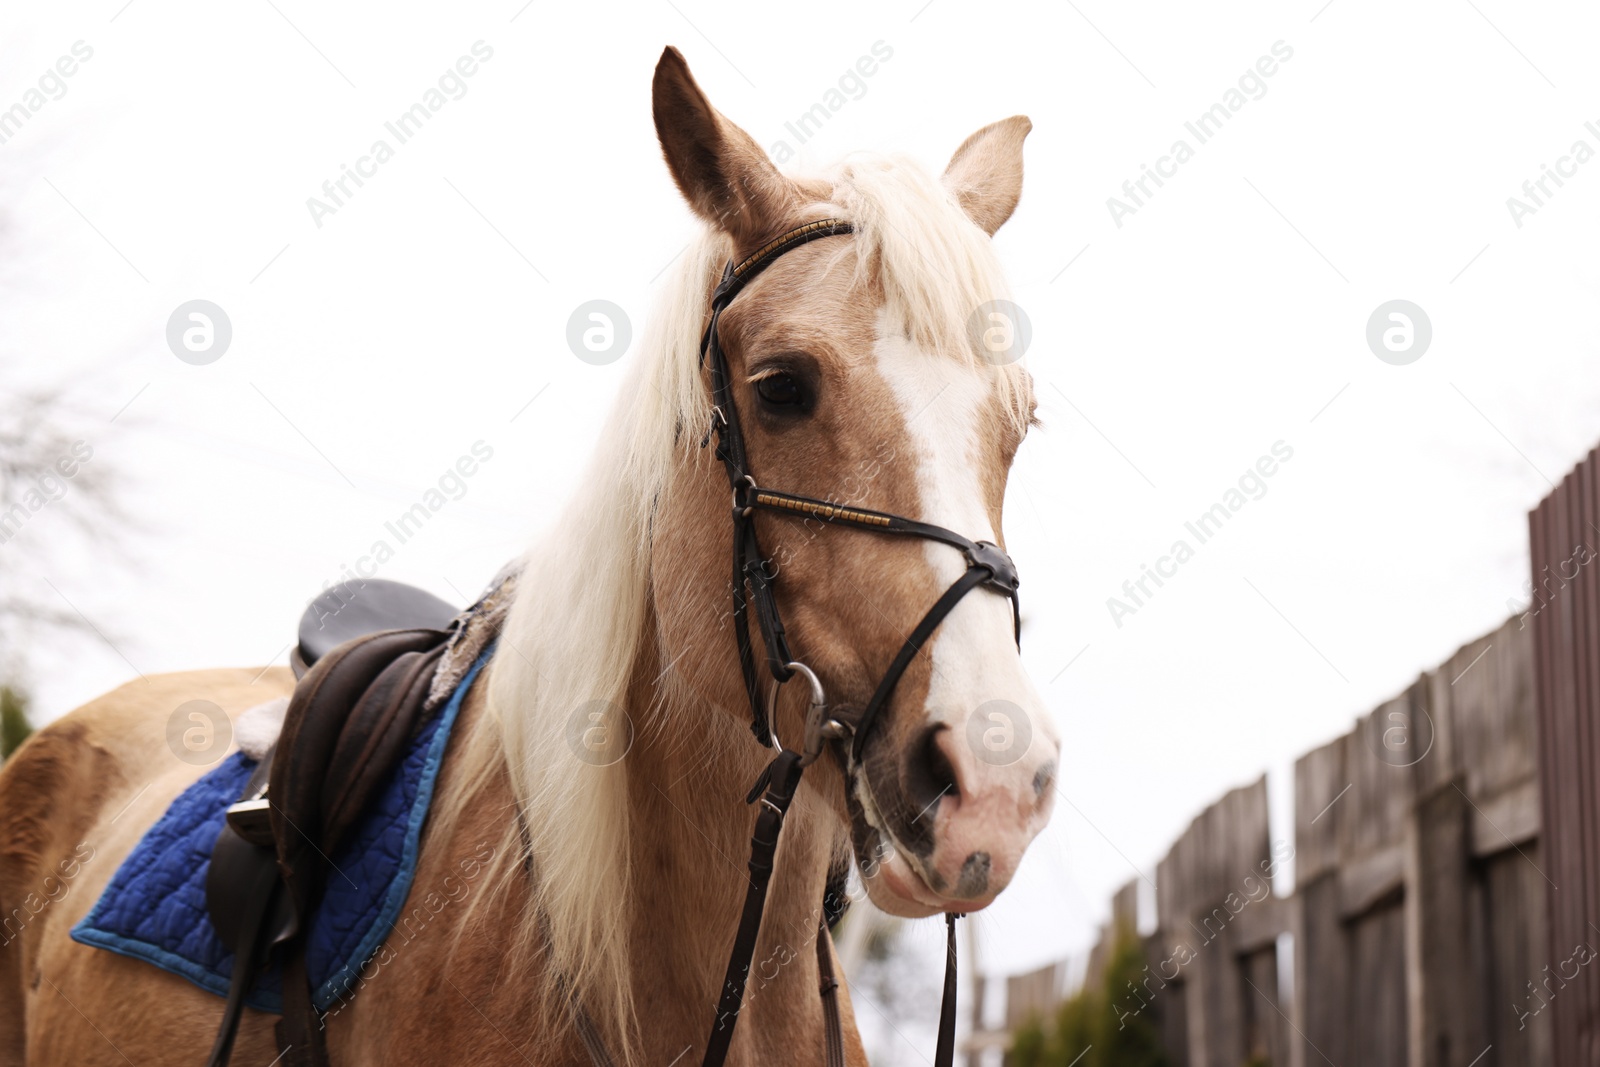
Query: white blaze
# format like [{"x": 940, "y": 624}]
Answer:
[{"x": 974, "y": 652}]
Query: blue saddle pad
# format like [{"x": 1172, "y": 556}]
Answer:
[{"x": 154, "y": 908}]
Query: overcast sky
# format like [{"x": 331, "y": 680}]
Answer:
[{"x": 1222, "y": 317}]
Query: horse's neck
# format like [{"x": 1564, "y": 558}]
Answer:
[{"x": 691, "y": 843}]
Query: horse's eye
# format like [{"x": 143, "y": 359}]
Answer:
[{"x": 781, "y": 391}]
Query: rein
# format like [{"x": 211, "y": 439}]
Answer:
[{"x": 988, "y": 567}]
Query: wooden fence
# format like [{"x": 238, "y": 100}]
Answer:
[
  {"x": 1564, "y": 533},
  {"x": 1418, "y": 914},
  {"x": 1416, "y": 933},
  {"x": 1446, "y": 903}
]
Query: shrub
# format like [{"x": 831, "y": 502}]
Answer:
[
  {"x": 14, "y": 728},
  {"x": 1103, "y": 1025}
]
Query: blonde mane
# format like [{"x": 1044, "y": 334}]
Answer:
[{"x": 575, "y": 633}]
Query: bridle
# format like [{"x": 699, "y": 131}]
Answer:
[{"x": 988, "y": 567}]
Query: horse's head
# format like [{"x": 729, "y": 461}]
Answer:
[{"x": 860, "y": 376}]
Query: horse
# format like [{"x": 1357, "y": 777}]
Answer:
[{"x": 563, "y": 886}]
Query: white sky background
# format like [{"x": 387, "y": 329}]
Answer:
[{"x": 1227, "y": 314}]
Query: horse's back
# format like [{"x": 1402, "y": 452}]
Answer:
[{"x": 74, "y": 800}]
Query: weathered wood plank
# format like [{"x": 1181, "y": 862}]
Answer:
[
  {"x": 1260, "y": 924},
  {"x": 1216, "y": 872},
  {"x": 1517, "y": 1019},
  {"x": 1564, "y": 535},
  {"x": 1266, "y": 1038},
  {"x": 1032, "y": 996},
  {"x": 1378, "y": 762},
  {"x": 1319, "y": 781},
  {"x": 1321, "y": 975},
  {"x": 1578, "y": 606},
  {"x": 1370, "y": 878},
  {"x": 1507, "y": 821},
  {"x": 1445, "y": 1029},
  {"x": 1377, "y": 1021}
]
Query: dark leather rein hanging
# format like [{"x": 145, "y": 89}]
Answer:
[{"x": 988, "y": 567}]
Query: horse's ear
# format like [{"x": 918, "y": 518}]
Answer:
[
  {"x": 726, "y": 177},
  {"x": 985, "y": 174}
]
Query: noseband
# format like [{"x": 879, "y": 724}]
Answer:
[{"x": 988, "y": 567}]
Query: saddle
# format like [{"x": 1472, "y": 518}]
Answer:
[{"x": 365, "y": 663}]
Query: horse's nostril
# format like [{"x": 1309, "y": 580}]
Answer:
[
  {"x": 929, "y": 774},
  {"x": 1044, "y": 778},
  {"x": 974, "y": 880}
]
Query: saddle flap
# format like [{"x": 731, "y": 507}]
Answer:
[
  {"x": 348, "y": 719},
  {"x": 377, "y": 733}
]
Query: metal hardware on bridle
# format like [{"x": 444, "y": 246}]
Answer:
[
  {"x": 988, "y": 567},
  {"x": 820, "y": 727}
]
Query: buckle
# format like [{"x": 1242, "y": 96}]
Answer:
[
  {"x": 742, "y": 491},
  {"x": 716, "y": 424},
  {"x": 251, "y": 820}
]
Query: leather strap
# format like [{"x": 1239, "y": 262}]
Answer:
[
  {"x": 945, "y": 1052},
  {"x": 1002, "y": 572},
  {"x": 832, "y": 1030},
  {"x": 776, "y": 787},
  {"x": 302, "y": 1033},
  {"x": 974, "y": 577},
  {"x": 247, "y": 908},
  {"x": 749, "y": 566}
]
